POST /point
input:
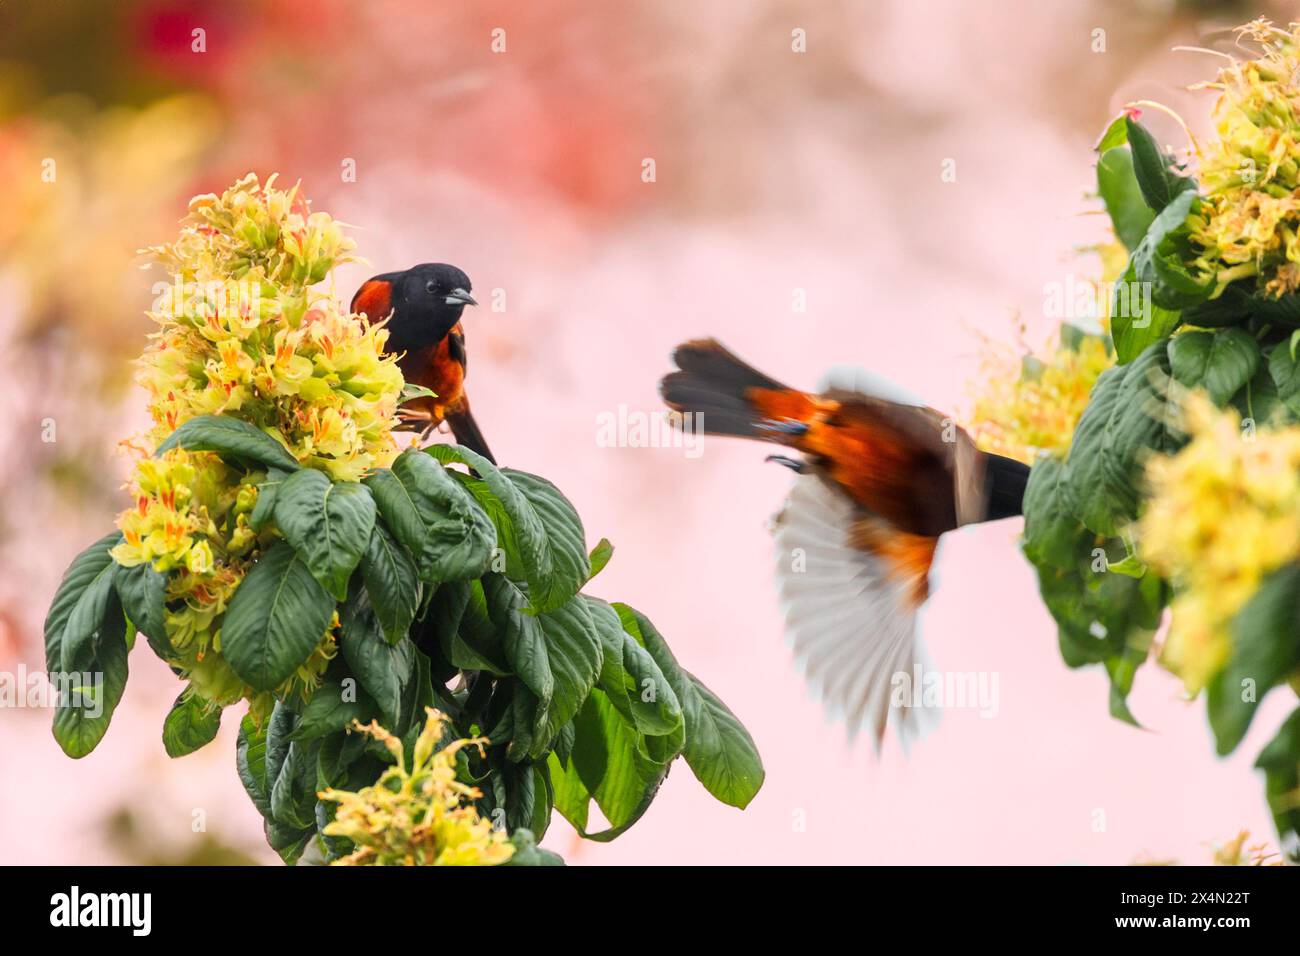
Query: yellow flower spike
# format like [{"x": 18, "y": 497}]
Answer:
[
  {"x": 1250, "y": 174},
  {"x": 1023, "y": 416},
  {"x": 429, "y": 737},
  {"x": 381, "y": 820},
  {"x": 241, "y": 332},
  {"x": 1220, "y": 517}
]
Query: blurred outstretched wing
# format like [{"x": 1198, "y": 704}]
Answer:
[{"x": 850, "y": 591}]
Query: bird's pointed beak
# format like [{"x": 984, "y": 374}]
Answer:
[{"x": 459, "y": 297}]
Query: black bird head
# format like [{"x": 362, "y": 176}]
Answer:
[{"x": 427, "y": 301}]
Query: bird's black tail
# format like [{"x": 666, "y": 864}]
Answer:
[
  {"x": 712, "y": 383},
  {"x": 467, "y": 432}
]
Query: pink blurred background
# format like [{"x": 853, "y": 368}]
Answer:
[{"x": 776, "y": 171}]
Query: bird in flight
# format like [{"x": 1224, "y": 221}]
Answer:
[
  {"x": 880, "y": 479},
  {"x": 426, "y": 302}
]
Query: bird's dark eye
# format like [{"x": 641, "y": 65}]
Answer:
[{"x": 431, "y": 287}]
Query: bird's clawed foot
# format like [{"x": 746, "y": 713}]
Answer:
[
  {"x": 420, "y": 421},
  {"x": 798, "y": 467}
]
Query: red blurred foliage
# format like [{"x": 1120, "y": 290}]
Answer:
[
  {"x": 237, "y": 34},
  {"x": 560, "y": 115}
]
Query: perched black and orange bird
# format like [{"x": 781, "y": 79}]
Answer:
[
  {"x": 426, "y": 302},
  {"x": 881, "y": 477}
]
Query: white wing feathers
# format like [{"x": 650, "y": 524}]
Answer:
[{"x": 852, "y": 625}]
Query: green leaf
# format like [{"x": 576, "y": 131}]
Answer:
[
  {"x": 572, "y": 799},
  {"x": 545, "y": 802},
  {"x": 1102, "y": 616},
  {"x": 1130, "y": 566},
  {"x": 631, "y": 679},
  {"x": 383, "y": 669},
  {"x": 1158, "y": 260},
  {"x": 1084, "y": 476},
  {"x": 1118, "y": 187},
  {"x": 599, "y": 557},
  {"x": 250, "y": 762},
  {"x": 85, "y": 568},
  {"x": 1265, "y": 650},
  {"x": 288, "y": 842},
  {"x": 1122, "y": 668},
  {"x": 328, "y": 523},
  {"x": 1116, "y": 134},
  {"x": 412, "y": 391},
  {"x": 522, "y": 638},
  {"x": 1258, "y": 400},
  {"x": 437, "y": 520},
  {"x": 514, "y": 725},
  {"x": 523, "y": 793},
  {"x": 333, "y": 847},
  {"x": 88, "y": 698},
  {"x": 1051, "y": 530},
  {"x": 1280, "y": 761},
  {"x": 564, "y": 741},
  {"x": 718, "y": 748},
  {"x": 1232, "y": 306},
  {"x": 574, "y": 656},
  {"x": 393, "y": 583},
  {"x": 339, "y": 754},
  {"x": 538, "y": 528},
  {"x": 192, "y": 723},
  {"x": 264, "y": 507},
  {"x": 615, "y": 766},
  {"x": 1130, "y": 413},
  {"x": 1159, "y": 184},
  {"x": 333, "y": 706},
  {"x": 438, "y": 630},
  {"x": 143, "y": 593},
  {"x": 277, "y": 617},
  {"x": 553, "y": 551},
  {"x": 1135, "y": 320},
  {"x": 528, "y": 853},
  {"x": 230, "y": 438},
  {"x": 1285, "y": 373},
  {"x": 278, "y": 728},
  {"x": 1221, "y": 362},
  {"x": 293, "y": 795},
  {"x": 474, "y": 643},
  {"x": 1064, "y": 594},
  {"x": 557, "y": 656},
  {"x": 97, "y": 607},
  {"x": 426, "y": 690}
]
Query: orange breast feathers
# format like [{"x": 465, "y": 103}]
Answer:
[
  {"x": 908, "y": 556},
  {"x": 441, "y": 369},
  {"x": 881, "y": 466}
]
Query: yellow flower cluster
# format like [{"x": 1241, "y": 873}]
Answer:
[
  {"x": 1028, "y": 407},
  {"x": 1250, "y": 176},
  {"x": 241, "y": 332},
  {"x": 1222, "y": 514},
  {"x": 420, "y": 817},
  {"x": 1235, "y": 852}
]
